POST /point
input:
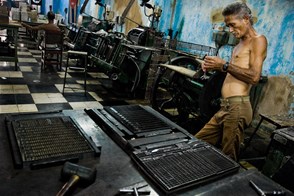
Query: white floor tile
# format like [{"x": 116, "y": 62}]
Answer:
[
  {"x": 24, "y": 53},
  {"x": 27, "y": 108},
  {"x": 40, "y": 98},
  {"x": 77, "y": 105},
  {"x": 6, "y": 86},
  {"x": 8, "y": 109},
  {"x": 93, "y": 104},
  {"x": 25, "y": 68},
  {"x": 27, "y": 60}
]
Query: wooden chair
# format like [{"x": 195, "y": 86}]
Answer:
[{"x": 52, "y": 48}]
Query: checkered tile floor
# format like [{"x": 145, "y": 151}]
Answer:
[{"x": 31, "y": 90}]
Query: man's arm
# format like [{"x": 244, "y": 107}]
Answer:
[
  {"x": 257, "y": 56},
  {"x": 38, "y": 27},
  {"x": 249, "y": 75}
]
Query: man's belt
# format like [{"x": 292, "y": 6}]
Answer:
[{"x": 235, "y": 99}]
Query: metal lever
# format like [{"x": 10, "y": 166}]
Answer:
[
  {"x": 204, "y": 76},
  {"x": 265, "y": 193},
  {"x": 136, "y": 189}
]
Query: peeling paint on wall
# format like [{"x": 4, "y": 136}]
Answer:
[
  {"x": 274, "y": 19},
  {"x": 134, "y": 14},
  {"x": 173, "y": 7},
  {"x": 180, "y": 28}
]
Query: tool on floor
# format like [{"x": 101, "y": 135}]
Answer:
[
  {"x": 265, "y": 193},
  {"x": 141, "y": 188},
  {"x": 76, "y": 173}
]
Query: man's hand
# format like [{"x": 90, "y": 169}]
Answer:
[{"x": 213, "y": 63}]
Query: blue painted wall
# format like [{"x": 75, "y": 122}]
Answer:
[
  {"x": 193, "y": 20},
  {"x": 275, "y": 19},
  {"x": 45, "y": 6},
  {"x": 58, "y": 6}
]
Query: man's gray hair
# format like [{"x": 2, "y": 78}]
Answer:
[{"x": 240, "y": 9}]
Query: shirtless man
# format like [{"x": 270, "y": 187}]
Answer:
[
  {"x": 50, "y": 26},
  {"x": 225, "y": 129}
]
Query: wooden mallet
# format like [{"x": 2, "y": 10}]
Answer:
[{"x": 76, "y": 173}]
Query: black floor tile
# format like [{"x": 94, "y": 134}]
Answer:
[
  {"x": 113, "y": 102},
  {"x": 36, "y": 52},
  {"x": 106, "y": 95},
  {"x": 50, "y": 68},
  {"x": 24, "y": 99},
  {"x": 25, "y": 56},
  {"x": 27, "y": 42},
  {"x": 7, "y": 67},
  {"x": 6, "y": 99},
  {"x": 107, "y": 91},
  {"x": 95, "y": 88},
  {"x": 78, "y": 97},
  {"x": 28, "y": 64},
  {"x": 53, "y": 107},
  {"x": 38, "y": 59},
  {"x": 73, "y": 81},
  {"x": 42, "y": 78},
  {"x": 36, "y": 69},
  {"x": 30, "y": 46},
  {"x": 78, "y": 75},
  {"x": 22, "y": 38},
  {"x": 12, "y": 81},
  {"x": 20, "y": 49},
  {"x": 39, "y": 88}
]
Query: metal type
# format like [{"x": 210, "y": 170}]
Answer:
[{"x": 43, "y": 141}]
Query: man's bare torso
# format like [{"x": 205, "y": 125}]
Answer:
[{"x": 232, "y": 86}]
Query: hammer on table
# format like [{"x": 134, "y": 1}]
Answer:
[{"x": 76, "y": 173}]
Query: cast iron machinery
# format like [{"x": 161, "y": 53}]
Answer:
[
  {"x": 180, "y": 97},
  {"x": 125, "y": 64}
]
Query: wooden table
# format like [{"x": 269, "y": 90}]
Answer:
[{"x": 34, "y": 33}]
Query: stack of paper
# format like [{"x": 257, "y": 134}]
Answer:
[
  {"x": 24, "y": 16},
  {"x": 15, "y": 14},
  {"x": 33, "y": 16},
  {"x": 23, "y": 7}
]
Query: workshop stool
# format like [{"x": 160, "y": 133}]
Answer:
[
  {"x": 280, "y": 121},
  {"x": 76, "y": 55}
]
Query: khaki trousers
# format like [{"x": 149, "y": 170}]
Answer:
[{"x": 225, "y": 129}]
